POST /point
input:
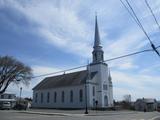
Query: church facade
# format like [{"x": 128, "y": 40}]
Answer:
[{"x": 73, "y": 90}]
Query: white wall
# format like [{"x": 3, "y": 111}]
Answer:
[
  {"x": 98, "y": 81},
  {"x": 101, "y": 79},
  {"x": 59, "y": 104}
]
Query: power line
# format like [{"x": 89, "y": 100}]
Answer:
[
  {"x": 140, "y": 7},
  {"x": 62, "y": 71},
  {"x": 111, "y": 59},
  {"x": 135, "y": 17},
  {"x": 130, "y": 13},
  {"x": 152, "y": 13},
  {"x": 129, "y": 55}
]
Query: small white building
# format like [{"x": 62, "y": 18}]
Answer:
[{"x": 73, "y": 90}]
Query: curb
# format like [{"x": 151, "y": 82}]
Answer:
[
  {"x": 51, "y": 114},
  {"x": 44, "y": 113},
  {"x": 110, "y": 114},
  {"x": 64, "y": 114}
]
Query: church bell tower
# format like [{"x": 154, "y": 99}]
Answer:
[
  {"x": 101, "y": 83},
  {"x": 97, "y": 48}
]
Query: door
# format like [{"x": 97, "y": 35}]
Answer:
[{"x": 106, "y": 100}]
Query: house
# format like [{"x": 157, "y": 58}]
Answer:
[
  {"x": 92, "y": 87},
  {"x": 146, "y": 104}
]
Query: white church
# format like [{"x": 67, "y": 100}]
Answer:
[{"x": 92, "y": 87}]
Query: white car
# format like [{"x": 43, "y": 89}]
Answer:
[{"x": 5, "y": 105}]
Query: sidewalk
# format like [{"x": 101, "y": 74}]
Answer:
[{"x": 74, "y": 112}]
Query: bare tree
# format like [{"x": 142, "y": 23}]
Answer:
[{"x": 13, "y": 71}]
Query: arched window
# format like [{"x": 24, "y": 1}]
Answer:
[
  {"x": 105, "y": 87},
  {"x": 95, "y": 56},
  {"x": 41, "y": 97},
  {"x": 36, "y": 97},
  {"x": 102, "y": 56},
  {"x": 80, "y": 95},
  {"x": 62, "y": 96},
  {"x": 93, "y": 90},
  {"x": 48, "y": 97},
  {"x": 55, "y": 97},
  {"x": 106, "y": 100},
  {"x": 71, "y": 96}
]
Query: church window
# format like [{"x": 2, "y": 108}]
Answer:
[
  {"x": 55, "y": 97},
  {"x": 2, "y": 96},
  {"x": 95, "y": 56},
  {"x": 41, "y": 97},
  {"x": 105, "y": 87},
  {"x": 80, "y": 95},
  {"x": 102, "y": 56},
  {"x": 93, "y": 90},
  {"x": 62, "y": 96},
  {"x": 48, "y": 97},
  {"x": 71, "y": 96},
  {"x": 36, "y": 97},
  {"x": 9, "y": 97},
  {"x": 106, "y": 100}
]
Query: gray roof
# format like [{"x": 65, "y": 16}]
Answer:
[
  {"x": 147, "y": 100},
  {"x": 70, "y": 79}
]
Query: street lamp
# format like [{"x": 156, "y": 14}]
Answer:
[
  {"x": 20, "y": 94},
  {"x": 88, "y": 78},
  {"x": 86, "y": 109}
]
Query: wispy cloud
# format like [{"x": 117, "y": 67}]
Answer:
[
  {"x": 69, "y": 26},
  {"x": 138, "y": 85}
]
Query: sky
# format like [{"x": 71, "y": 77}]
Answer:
[{"x": 53, "y": 35}]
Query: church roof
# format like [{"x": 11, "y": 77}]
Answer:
[{"x": 70, "y": 79}]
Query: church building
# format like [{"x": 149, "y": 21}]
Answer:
[{"x": 91, "y": 87}]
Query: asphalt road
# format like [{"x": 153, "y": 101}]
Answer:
[{"x": 14, "y": 115}]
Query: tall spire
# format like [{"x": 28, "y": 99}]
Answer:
[
  {"x": 110, "y": 79},
  {"x": 109, "y": 75},
  {"x": 97, "y": 48},
  {"x": 96, "y": 37}
]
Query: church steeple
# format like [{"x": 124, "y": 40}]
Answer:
[
  {"x": 96, "y": 36},
  {"x": 109, "y": 76},
  {"x": 97, "y": 48}
]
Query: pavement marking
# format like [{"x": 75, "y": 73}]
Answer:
[{"x": 154, "y": 118}]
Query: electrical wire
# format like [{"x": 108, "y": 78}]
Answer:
[
  {"x": 62, "y": 71},
  {"x": 135, "y": 17},
  {"x": 111, "y": 59},
  {"x": 130, "y": 13},
  {"x": 155, "y": 19},
  {"x": 141, "y": 9}
]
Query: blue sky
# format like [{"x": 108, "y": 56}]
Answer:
[{"x": 54, "y": 35}]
